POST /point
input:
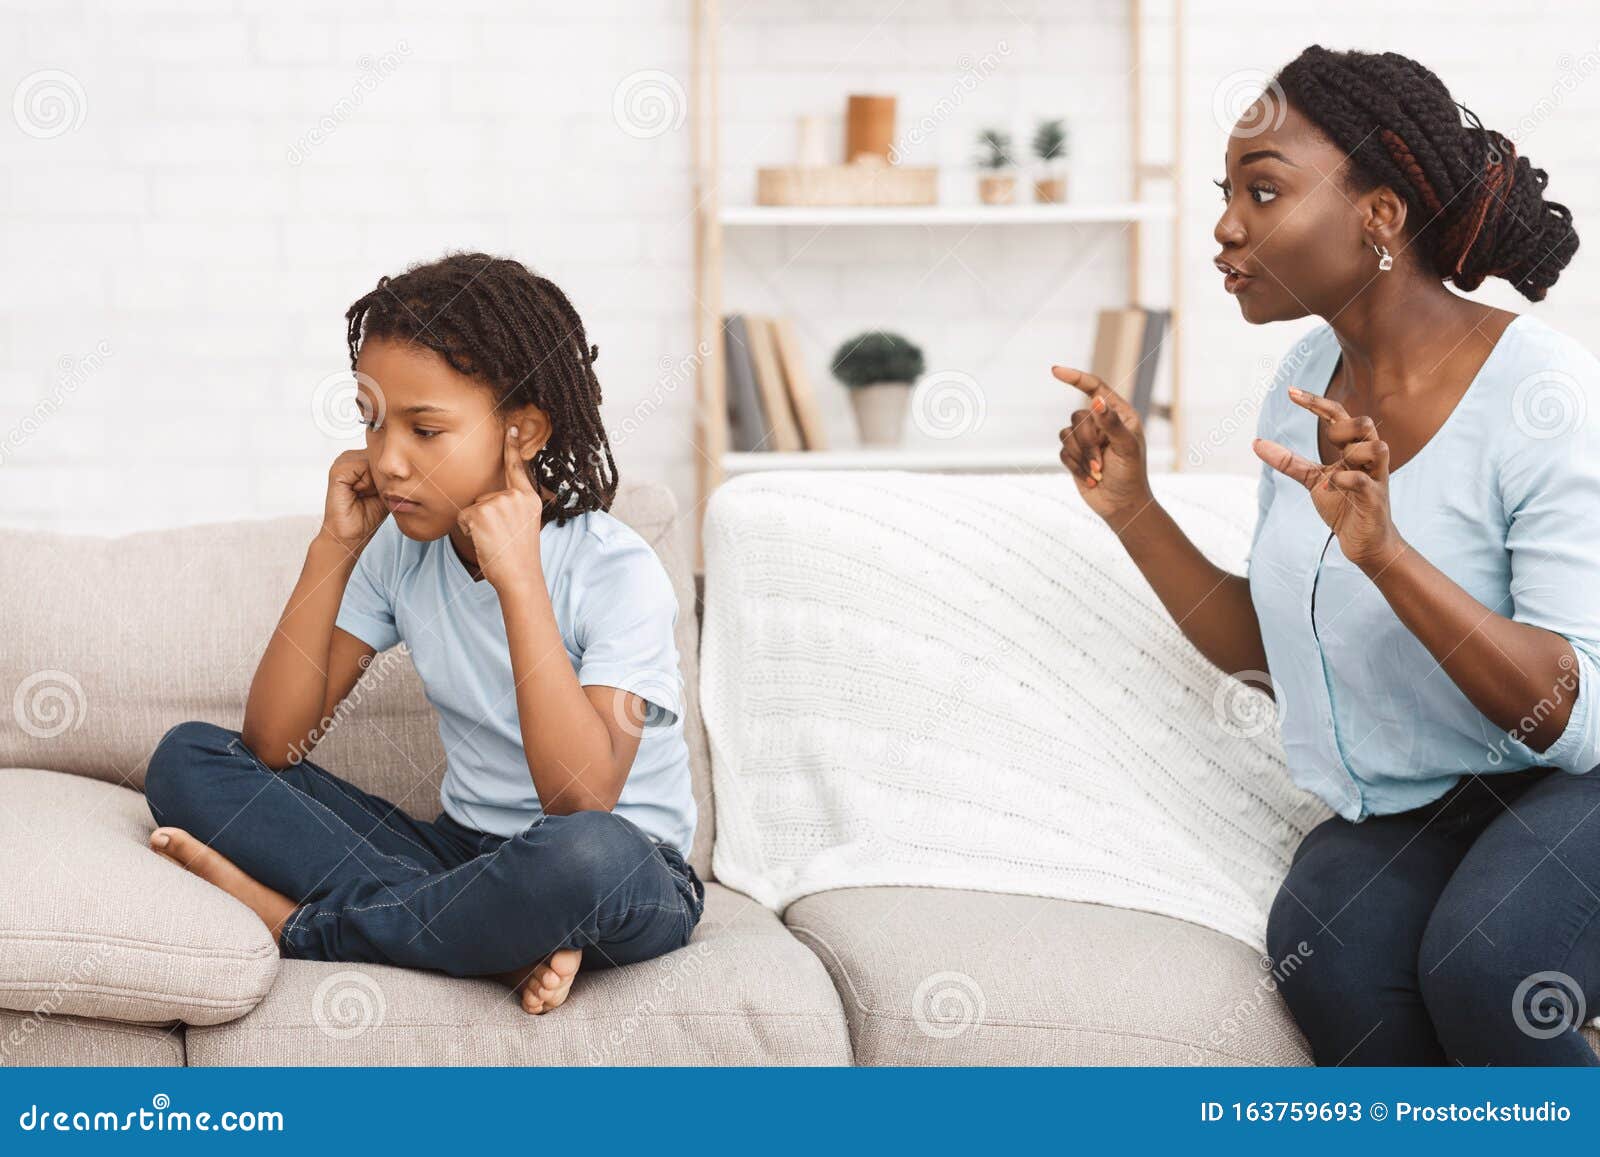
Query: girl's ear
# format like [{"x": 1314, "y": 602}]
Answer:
[{"x": 533, "y": 429}]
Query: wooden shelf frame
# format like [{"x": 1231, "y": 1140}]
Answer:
[{"x": 713, "y": 458}]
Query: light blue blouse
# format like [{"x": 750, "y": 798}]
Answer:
[{"x": 1505, "y": 500}]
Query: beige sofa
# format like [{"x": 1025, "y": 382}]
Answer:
[{"x": 111, "y": 955}]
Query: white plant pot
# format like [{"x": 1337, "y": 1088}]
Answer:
[{"x": 881, "y": 411}]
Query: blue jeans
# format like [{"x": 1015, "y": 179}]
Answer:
[
  {"x": 375, "y": 885},
  {"x": 1463, "y": 931}
]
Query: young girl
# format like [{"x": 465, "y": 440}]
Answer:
[
  {"x": 1423, "y": 589},
  {"x": 542, "y": 630}
]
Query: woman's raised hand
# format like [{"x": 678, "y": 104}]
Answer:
[
  {"x": 1104, "y": 450},
  {"x": 1351, "y": 494},
  {"x": 353, "y": 509}
]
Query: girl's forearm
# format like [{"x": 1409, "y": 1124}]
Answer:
[
  {"x": 567, "y": 744},
  {"x": 1211, "y": 606},
  {"x": 286, "y": 704},
  {"x": 1512, "y": 672}
]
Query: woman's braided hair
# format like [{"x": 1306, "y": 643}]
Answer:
[
  {"x": 495, "y": 320},
  {"x": 1482, "y": 207}
]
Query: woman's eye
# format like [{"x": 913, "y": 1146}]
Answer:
[
  {"x": 369, "y": 423},
  {"x": 1258, "y": 192},
  {"x": 425, "y": 434}
]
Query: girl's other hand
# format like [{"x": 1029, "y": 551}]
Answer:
[
  {"x": 353, "y": 509},
  {"x": 1104, "y": 450}
]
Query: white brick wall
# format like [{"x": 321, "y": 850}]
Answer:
[{"x": 175, "y": 283}]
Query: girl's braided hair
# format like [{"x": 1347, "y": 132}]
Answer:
[
  {"x": 1481, "y": 206},
  {"x": 495, "y": 320}
]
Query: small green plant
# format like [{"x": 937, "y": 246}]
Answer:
[
  {"x": 1050, "y": 141},
  {"x": 877, "y": 356},
  {"x": 996, "y": 149}
]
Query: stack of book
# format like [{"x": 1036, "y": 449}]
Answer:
[
  {"x": 1127, "y": 351},
  {"x": 771, "y": 403}
]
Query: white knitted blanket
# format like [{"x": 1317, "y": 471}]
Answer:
[{"x": 963, "y": 682}]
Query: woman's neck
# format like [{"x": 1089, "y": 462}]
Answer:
[{"x": 1394, "y": 337}]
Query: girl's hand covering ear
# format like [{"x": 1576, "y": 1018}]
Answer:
[
  {"x": 353, "y": 509},
  {"x": 504, "y": 524},
  {"x": 1352, "y": 493}
]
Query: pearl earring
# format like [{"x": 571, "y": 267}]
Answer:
[{"x": 1385, "y": 261}]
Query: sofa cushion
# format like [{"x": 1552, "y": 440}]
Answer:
[
  {"x": 111, "y": 641},
  {"x": 93, "y": 923},
  {"x": 741, "y": 992},
  {"x": 935, "y": 976},
  {"x": 45, "y": 1039}
]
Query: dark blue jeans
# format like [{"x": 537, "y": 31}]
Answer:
[
  {"x": 1462, "y": 931},
  {"x": 377, "y": 886}
]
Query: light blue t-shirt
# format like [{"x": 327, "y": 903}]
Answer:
[
  {"x": 616, "y": 610},
  {"x": 1505, "y": 500}
]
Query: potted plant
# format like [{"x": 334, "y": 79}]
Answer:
[
  {"x": 1050, "y": 146},
  {"x": 879, "y": 369},
  {"x": 997, "y": 186}
]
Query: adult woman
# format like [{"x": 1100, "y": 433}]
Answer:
[{"x": 1424, "y": 580}]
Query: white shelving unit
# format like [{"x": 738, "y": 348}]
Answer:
[
  {"x": 716, "y": 460},
  {"x": 749, "y": 216}
]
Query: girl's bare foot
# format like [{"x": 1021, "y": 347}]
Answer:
[
  {"x": 215, "y": 868},
  {"x": 547, "y": 984}
]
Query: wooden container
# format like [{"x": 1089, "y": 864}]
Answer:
[
  {"x": 861, "y": 184},
  {"x": 869, "y": 128}
]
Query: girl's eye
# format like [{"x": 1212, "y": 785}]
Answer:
[
  {"x": 426, "y": 434},
  {"x": 1261, "y": 194},
  {"x": 369, "y": 423}
]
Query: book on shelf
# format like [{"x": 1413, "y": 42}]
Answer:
[
  {"x": 747, "y": 428},
  {"x": 807, "y": 413},
  {"x": 1127, "y": 353},
  {"x": 771, "y": 403}
]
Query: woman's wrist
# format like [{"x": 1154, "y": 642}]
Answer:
[{"x": 1137, "y": 519}]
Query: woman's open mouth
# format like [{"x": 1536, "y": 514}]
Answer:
[{"x": 1233, "y": 280}]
